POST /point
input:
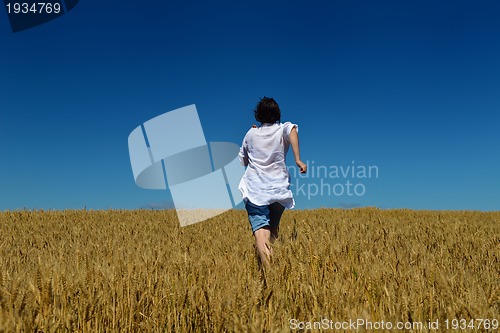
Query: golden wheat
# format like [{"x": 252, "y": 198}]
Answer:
[{"x": 138, "y": 271}]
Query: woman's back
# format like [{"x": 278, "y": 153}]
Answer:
[{"x": 266, "y": 178}]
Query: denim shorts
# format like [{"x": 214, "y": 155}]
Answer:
[{"x": 264, "y": 216}]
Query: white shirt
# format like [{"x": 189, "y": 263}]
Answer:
[{"x": 266, "y": 179}]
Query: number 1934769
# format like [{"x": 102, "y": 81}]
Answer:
[
  {"x": 34, "y": 8},
  {"x": 472, "y": 324}
]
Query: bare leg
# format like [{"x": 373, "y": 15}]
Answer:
[
  {"x": 263, "y": 242},
  {"x": 275, "y": 212}
]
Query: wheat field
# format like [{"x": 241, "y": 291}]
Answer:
[{"x": 138, "y": 271}]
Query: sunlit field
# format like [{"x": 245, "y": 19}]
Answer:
[{"x": 138, "y": 271}]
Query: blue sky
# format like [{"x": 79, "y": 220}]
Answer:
[{"x": 411, "y": 87}]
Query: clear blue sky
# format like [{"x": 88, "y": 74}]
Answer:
[{"x": 412, "y": 87}]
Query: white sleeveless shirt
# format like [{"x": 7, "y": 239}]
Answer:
[{"x": 266, "y": 178}]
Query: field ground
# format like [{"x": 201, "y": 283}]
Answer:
[{"x": 138, "y": 271}]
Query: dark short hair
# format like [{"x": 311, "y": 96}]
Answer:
[{"x": 267, "y": 111}]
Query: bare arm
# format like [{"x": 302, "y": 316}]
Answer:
[{"x": 294, "y": 141}]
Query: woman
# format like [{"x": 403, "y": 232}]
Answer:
[{"x": 265, "y": 185}]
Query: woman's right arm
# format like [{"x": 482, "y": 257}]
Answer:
[{"x": 294, "y": 141}]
